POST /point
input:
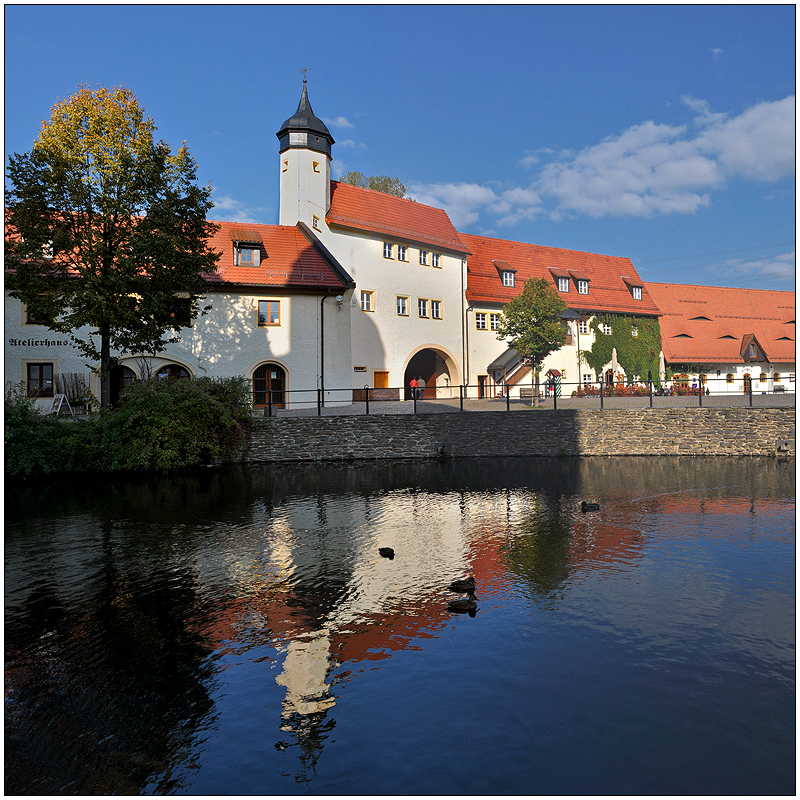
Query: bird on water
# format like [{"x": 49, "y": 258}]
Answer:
[
  {"x": 465, "y": 604},
  {"x": 386, "y": 552},
  {"x": 463, "y": 585}
]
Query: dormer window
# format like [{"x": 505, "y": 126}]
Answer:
[
  {"x": 563, "y": 284},
  {"x": 634, "y": 286},
  {"x": 246, "y": 247},
  {"x": 583, "y": 287},
  {"x": 508, "y": 278}
]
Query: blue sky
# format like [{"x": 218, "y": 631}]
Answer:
[{"x": 660, "y": 133}]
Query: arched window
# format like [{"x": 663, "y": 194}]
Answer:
[
  {"x": 172, "y": 371},
  {"x": 729, "y": 378},
  {"x": 269, "y": 378}
]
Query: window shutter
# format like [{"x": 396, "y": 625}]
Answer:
[{"x": 256, "y": 256}]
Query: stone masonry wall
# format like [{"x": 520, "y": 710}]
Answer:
[{"x": 697, "y": 431}]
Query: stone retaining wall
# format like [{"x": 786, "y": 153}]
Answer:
[{"x": 656, "y": 432}]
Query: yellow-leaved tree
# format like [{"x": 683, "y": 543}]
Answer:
[{"x": 106, "y": 229}]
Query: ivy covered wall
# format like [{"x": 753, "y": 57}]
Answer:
[{"x": 635, "y": 354}]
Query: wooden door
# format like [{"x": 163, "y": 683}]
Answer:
[{"x": 380, "y": 379}]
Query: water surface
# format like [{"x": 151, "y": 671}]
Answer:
[{"x": 237, "y": 632}]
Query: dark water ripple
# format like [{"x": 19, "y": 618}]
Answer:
[{"x": 237, "y": 631}]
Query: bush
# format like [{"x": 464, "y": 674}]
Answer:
[
  {"x": 157, "y": 425},
  {"x": 169, "y": 424},
  {"x": 37, "y": 444}
]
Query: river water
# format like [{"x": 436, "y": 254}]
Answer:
[{"x": 237, "y": 631}]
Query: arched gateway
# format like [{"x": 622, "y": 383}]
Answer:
[{"x": 437, "y": 368}]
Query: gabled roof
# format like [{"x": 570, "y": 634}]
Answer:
[
  {"x": 393, "y": 217},
  {"x": 707, "y": 324},
  {"x": 607, "y": 289},
  {"x": 288, "y": 258}
]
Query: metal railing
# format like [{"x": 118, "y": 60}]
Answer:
[{"x": 714, "y": 393}]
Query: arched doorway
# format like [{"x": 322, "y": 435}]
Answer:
[
  {"x": 437, "y": 368},
  {"x": 269, "y": 378},
  {"x": 120, "y": 378}
]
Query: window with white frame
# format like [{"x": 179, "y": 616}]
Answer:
[
  {"x": 606, "y": 329},
  {"x": 583, "y": 326},
  {"x": 637, "y": 292},
  {"x": 387, "y": 250},
  {"x": 402, "y": 252},
  {"x": 508, "y": 278},
  {"x": 480, "y": 321},
  {"x": 494, "y": 322},
  {"x": 436, "y": 260},
  {"x": 402, "y": 306},
  {"x": 436, "y": 309},
  {"x": 587, "y": 378},
  {"x": 634, "y": 330},
  {"x": 367, "y": 301},
  {"x": 563, "y": 284},
  {"x": 422, "y": 307},
  {"x": 423, "y": 257},
  {"x": 583, "y": 287}
]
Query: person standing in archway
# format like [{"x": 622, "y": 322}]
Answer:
[
  {"x": 413, "y": 385},
  {"x": 420, "y": 388}
]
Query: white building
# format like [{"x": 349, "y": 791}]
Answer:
[{"x": 356, "y": 288}]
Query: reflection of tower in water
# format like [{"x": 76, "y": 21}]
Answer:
[{"x": 305, "y": 708}]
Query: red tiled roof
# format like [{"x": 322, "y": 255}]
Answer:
[
  {"x": 386, "y": 215},
  {"x": 287, "y": 259},
  {"x": 697, "y": 322},
  {"x": 607, "y": 290}
]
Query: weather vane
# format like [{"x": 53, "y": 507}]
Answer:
[{"x": 304, "y": 71}]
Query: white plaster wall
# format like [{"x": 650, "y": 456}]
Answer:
[
  {"x": 224, "y": 343},
  {"x": 381, "y": 339},
  {"x": 304, "y": 192},
  {"x": 484, "y": 347}
]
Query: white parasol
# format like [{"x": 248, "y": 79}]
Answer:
[
  {"x": 614, "y": 365},
  {"x": 662, "y": 370}
]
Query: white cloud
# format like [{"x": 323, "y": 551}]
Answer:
[
  {"x": 661, "y": 169},
  {"x": 775, "y": 268},
  {"x": 339, "y": 122},
  {"x": 758, "y": 145},
  {"x": 227, "y": 209},
  {"x": 350, "y": 143},
  {"x": 464, "y": 202},
  {"x": 649, "y": 169}
]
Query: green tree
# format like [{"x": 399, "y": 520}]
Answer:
[
  {"x": 531, "y": 323},
  {"x": 106, "y": 229},
  {"x": 380, "y": 183}
]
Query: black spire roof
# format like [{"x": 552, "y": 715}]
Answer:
[{"x": 313, "y": 133}]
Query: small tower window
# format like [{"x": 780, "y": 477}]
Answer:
[
  {"x": 285, "y": 166},
  {"x": 315, "y": 166},
  {"x": 316, "y": 222}
]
